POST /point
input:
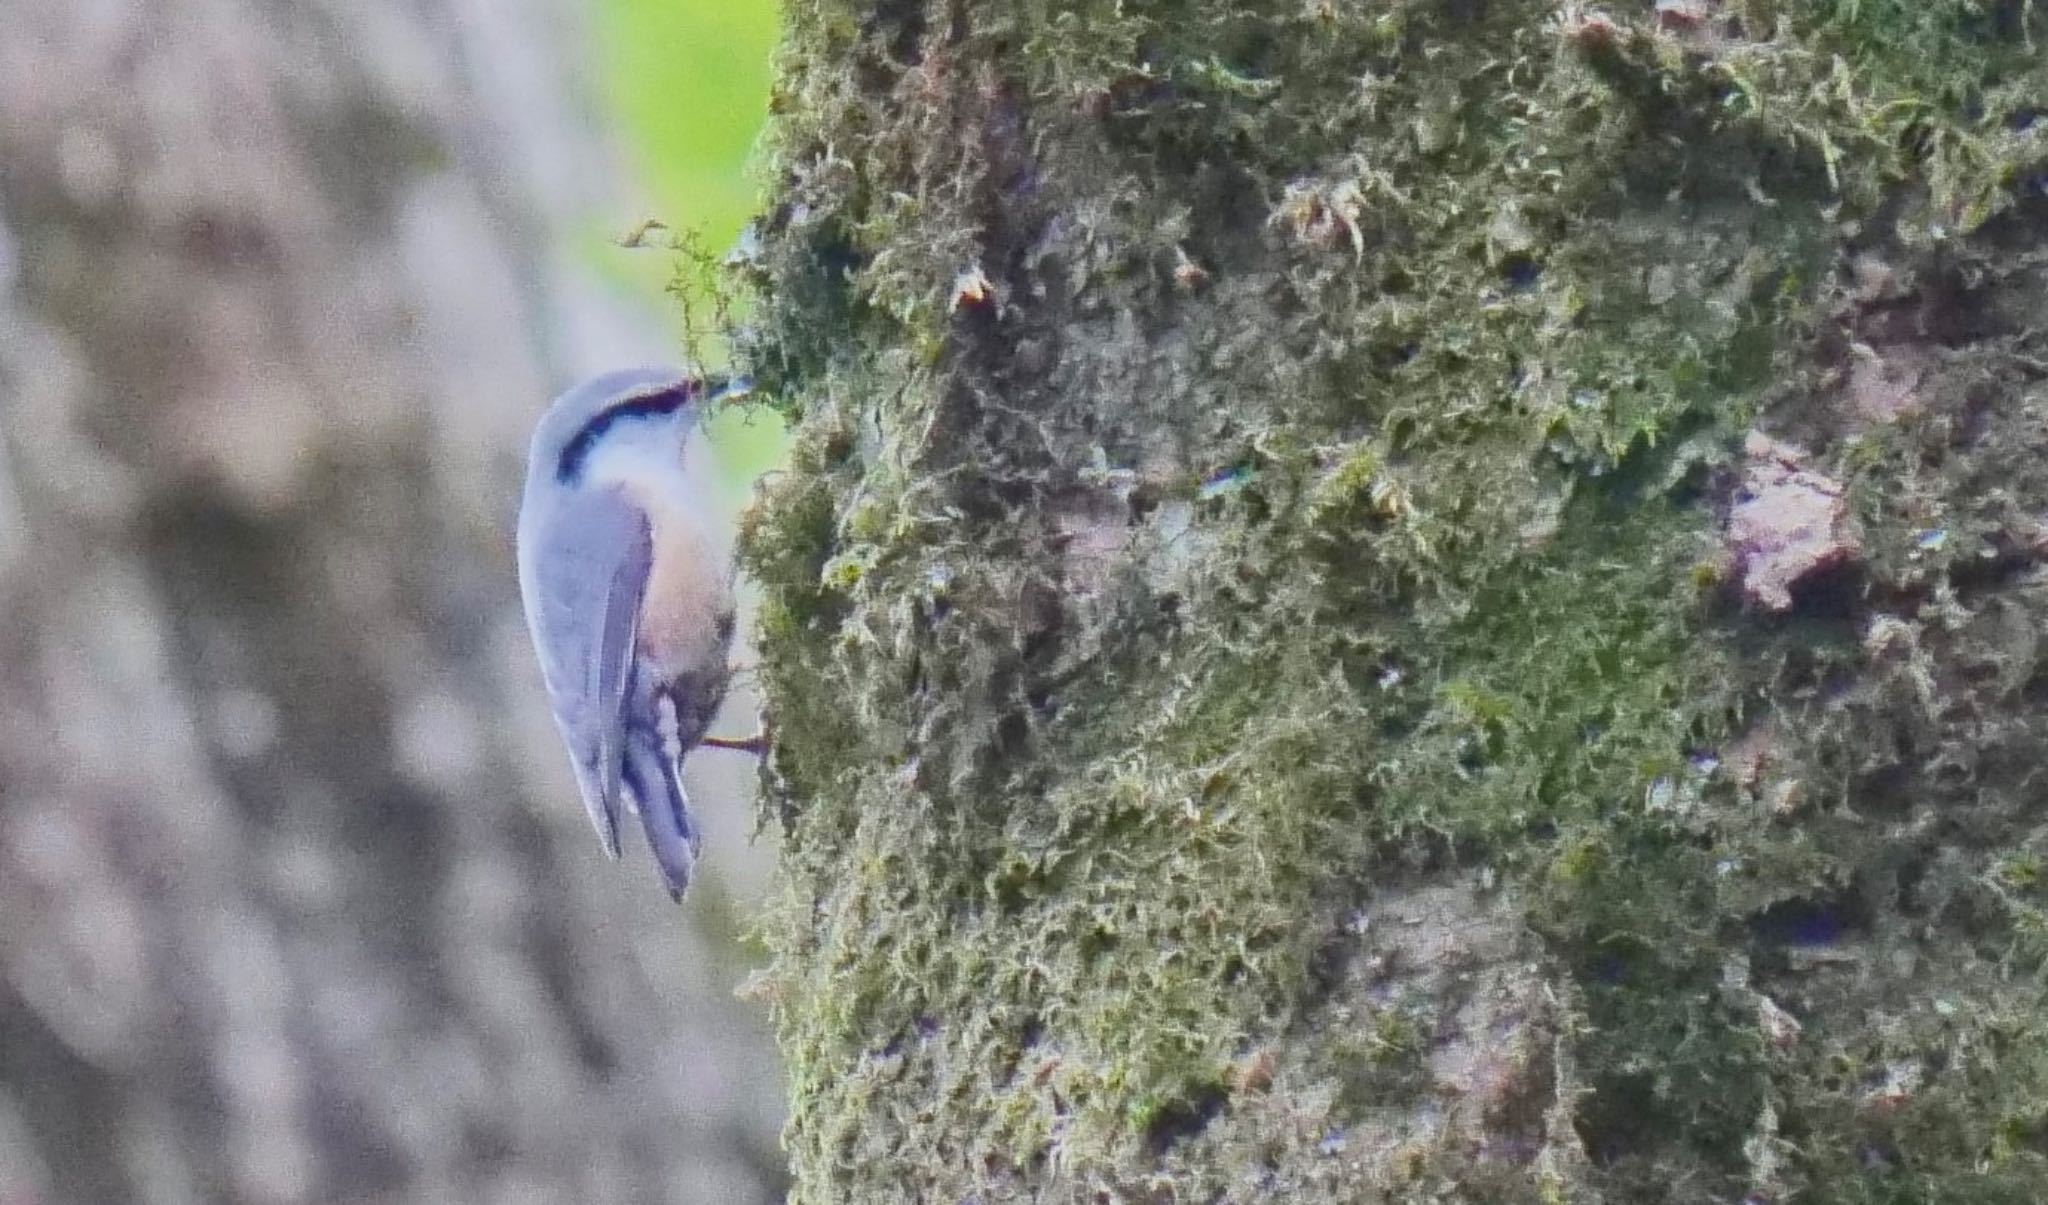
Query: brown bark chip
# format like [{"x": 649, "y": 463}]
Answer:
[{"x": 1789, "y": 522}]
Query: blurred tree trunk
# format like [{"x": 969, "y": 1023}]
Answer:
[
  {"x": 1426, "y": 600},
  {"x": 299, "y": 904}
]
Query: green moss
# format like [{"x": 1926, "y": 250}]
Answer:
[{"x": 1427, "y": 743}]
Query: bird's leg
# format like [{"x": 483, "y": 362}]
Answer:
[{"x": 756, "y": 744}]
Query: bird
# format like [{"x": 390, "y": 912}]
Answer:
[{"x": 626, "y": 574}]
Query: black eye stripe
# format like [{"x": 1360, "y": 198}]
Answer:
[{"x": 646, "y": 405}]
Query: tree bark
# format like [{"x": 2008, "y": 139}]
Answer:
[
  {"x": 1433, "y": 600},
  {"x": 300, "y": 904}
]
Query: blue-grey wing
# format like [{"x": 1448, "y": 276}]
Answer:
[{"x": 583, "y": 560}]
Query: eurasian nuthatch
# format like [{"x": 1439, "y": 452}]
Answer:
[{"x": 627, "y": 578}]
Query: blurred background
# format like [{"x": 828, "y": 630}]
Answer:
[{"x": 297, "y": 902}]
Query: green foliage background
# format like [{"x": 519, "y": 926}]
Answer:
[{"x": 686, "y": 82}]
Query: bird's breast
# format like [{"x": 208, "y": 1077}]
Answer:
[{"x": 686, "y": 610}]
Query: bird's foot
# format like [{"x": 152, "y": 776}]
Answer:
[{"x": 756, "y": 744}]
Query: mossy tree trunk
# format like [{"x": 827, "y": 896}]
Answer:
[{"x": 1417, "y": 600}]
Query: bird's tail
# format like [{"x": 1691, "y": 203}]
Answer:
[{"x": 656, "y": 780}]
